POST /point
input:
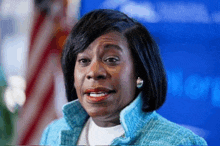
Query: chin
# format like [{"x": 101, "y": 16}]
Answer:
[{"x": 97, "y": 114}]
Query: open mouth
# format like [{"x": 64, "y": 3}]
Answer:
[{"x": 98, "y": 94}]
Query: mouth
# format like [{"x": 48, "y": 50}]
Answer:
[{"x": 98, "y": 94}]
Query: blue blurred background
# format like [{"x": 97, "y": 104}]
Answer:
[{"x": 188, "y": 34}]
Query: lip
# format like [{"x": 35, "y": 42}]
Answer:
[{"x": 99, "y": 90}]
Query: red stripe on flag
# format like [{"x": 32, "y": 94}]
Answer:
[
  {"x": 33, "y": 126},
  {"x": 35, "y": 72},
  {"x": 40, "y": 17},
  {"x": 40, "y": 51},
  {"x": 47, "y": 116},
  {"x": 42, "y": 86}
]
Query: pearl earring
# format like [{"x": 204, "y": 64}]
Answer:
[{"x": 140, "y": 82}]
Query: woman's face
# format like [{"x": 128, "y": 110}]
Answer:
[{"x": 104, "y": 76}]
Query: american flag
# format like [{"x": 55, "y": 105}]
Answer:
[{"x": 44, "y": 78}]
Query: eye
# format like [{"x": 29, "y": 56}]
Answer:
[
  {"x": 84, "y": 61},
  {"x": 112, "y": 60}
]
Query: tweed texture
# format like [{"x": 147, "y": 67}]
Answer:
[{"x": 140, "y": 128}]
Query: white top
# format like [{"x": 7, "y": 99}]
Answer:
[{"x": 92, "y": 134}]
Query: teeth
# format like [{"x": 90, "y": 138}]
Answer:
[{"x": 97, "y": 94}]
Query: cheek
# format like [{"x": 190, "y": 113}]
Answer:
[
  {"x": 128, "y": 73},
  {"x": 126, "y": 78},
  {"x": 78, "y": 81},
  {"x": 78, "y": 76},
  {"x": 123, "y": 71},
  {"x": 129, "y": 80}
]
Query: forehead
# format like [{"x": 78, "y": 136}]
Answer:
[{"x": 109, "y": 40}]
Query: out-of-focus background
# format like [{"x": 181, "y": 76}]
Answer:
[{"x": 31, "y": 83}]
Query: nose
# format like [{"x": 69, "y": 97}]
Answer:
[{"x": 96, "y": 71}]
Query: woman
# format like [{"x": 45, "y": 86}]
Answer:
[{"x": 113, "y": 66}]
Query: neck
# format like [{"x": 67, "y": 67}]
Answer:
[{"x": 106, "y": 122}]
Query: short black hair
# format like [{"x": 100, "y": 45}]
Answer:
[{"x": 146, "y": 54}]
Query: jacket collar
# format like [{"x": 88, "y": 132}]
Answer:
[
  {"x": 132, "y": 119},
  {"x": 75, "y": 114},
  {"x": 76, "y": 117}
]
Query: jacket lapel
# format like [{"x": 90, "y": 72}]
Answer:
[
  {"x": 133, "y": 118},
  {"x": 76, "y": 118},
  {"x": 70, "y": 137}
]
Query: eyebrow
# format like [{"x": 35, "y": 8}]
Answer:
[{"x": 107, "y": 46}]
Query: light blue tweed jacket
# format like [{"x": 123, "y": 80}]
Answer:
[{"x": 140, "y": 128}]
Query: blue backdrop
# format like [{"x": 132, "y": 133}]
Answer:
[{"x": 188, "y": 34}]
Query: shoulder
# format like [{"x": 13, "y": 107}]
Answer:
[
  {"x": 52, "y": 131},
  {"x": 160, "y": 131}
]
